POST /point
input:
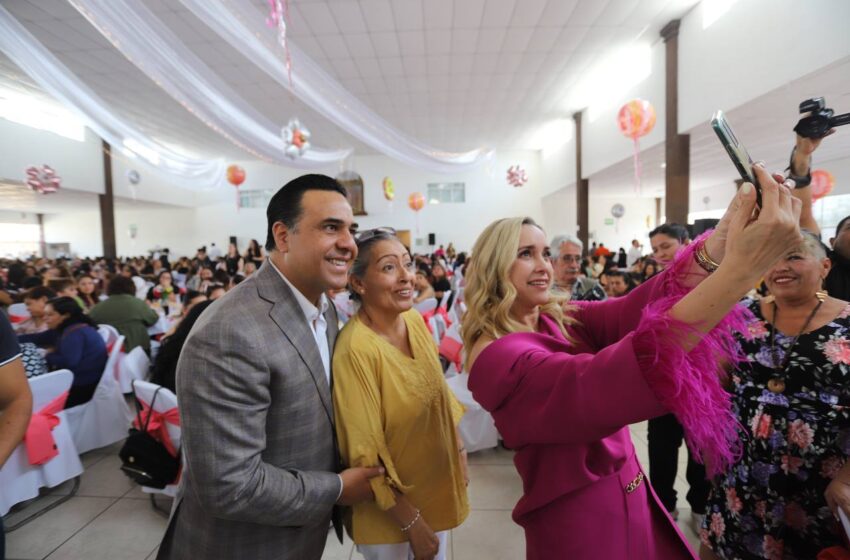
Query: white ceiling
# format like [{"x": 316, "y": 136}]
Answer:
[
  {"x": 764, "y": 126},
  {"x": 455, "y": 74}
]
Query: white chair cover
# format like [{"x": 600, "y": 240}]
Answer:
[
  {"x": 106, "y": 418},
  {"x": 477, "y": 429},
  {"x": 445, "y": 301},
  {"x": 160, "y": 327},
  {"x": 426, "y": 306},
  {"x": 438, "y": 328},
  {"x": 165, "y": 401},
  {"x": 132, "y": 366},
  {"x": 18, "y": 313},
  {"x": 20, "y": 481},
  {"x": 109, "y": 334}
]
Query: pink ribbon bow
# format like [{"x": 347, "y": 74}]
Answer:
[
  {"x": 41, "y": 447},
  {"x": 157, "y": 426}
]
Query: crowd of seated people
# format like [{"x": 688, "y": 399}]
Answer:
[{"x": 143, "y": 298}]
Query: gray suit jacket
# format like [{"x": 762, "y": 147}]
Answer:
[{"x": 260, "y": 455}]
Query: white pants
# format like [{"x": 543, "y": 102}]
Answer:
[{"x": 401, "y": 551}]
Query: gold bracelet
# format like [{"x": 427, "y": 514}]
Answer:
[{"x": 704, "y": 260}]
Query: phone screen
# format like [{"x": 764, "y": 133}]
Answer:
[{"x": 737, "y": 153}]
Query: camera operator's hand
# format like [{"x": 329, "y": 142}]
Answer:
[{"x": 802, "y": 158}]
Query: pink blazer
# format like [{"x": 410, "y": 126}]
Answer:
[{"x": 565, "y": 409}]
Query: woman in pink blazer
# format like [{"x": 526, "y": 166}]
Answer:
[{"x": 564, "y": 382}]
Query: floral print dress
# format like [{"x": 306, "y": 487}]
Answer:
[{"x": 771, "y": 504}]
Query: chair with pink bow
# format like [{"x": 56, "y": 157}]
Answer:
[
  {"x": 18, "y": 313},
  {"x": 133, "y": 366},
  {"x": 451, "y": 348},
  {"x": 164, "y": 425},
  {"x": 426, "y": 306},
  {"x": 47, "y": 457},
  {"x": 106, "y": 418},
  {"x": 109, "y": 334}
]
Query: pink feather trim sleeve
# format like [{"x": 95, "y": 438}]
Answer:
[{"x": 688, "y": 383}]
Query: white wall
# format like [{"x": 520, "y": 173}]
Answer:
[
  {"x": 560, "y": 212},
  {"x": 637, "y": 222},
  {"x": 81, "y": 229},
  {"x": 603, "y": 144},
  {"x": 12, "y": 217},
  {"x": 79, "y": 164},
  {"x": 756, "y": 47},
  {"x": 488, "y": 197}
]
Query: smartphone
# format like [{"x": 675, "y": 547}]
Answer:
[{"x": 737, "y": 152}]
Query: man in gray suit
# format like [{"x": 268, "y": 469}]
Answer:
[{"x": 253, "y": 384}]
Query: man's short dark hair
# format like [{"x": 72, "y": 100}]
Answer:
[
  {"x": 675, "y": 231},
  {"x": 285, "y": 205},
  {"x": 121, "y": 285},
  {"x": 840, "y": 225},
  {"x": 39, "y": 292}
]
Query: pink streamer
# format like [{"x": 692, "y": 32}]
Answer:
[{"x": 688, "y": 383}]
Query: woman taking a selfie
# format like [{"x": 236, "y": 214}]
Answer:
[{"x": 563, "y": 386}]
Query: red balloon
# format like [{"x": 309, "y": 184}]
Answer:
[
  {"x": 235, "y": 175},
  {"x": 822, "y": 183}
]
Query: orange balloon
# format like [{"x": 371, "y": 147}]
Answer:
[
  {"x": 235, "y": 175},
  {"x": 416, "y": 201},
  {"x": 822, "y": 183},
  {"x": 636, "y": 118}
]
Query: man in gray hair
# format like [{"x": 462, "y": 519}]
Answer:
[{"x": 566, "y": 260}]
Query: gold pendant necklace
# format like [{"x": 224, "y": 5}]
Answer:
[{"x": 776, "y": 384}]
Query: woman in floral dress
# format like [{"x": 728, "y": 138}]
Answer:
[{"x": 791, "y": 394}]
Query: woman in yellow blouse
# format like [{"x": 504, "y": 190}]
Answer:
[{"x": 393, "y": 408}]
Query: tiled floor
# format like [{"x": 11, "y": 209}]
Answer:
[{"x": 111, "y": 519}]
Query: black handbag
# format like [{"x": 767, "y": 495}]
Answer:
[{"x": 146, "y": 460}]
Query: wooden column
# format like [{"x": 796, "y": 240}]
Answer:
[
  {"x": 582, "y": 187},
  {"x": 42, "y": 244},
  {"x": 677, "y": 146},
  {"x": 107, "y": 207}
]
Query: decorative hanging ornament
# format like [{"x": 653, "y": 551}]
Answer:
[
  {"x": 278, "y": 16},
  {"x": 416, "y": 201},
  {"x": 389, "y": 189},
  {"x": 635, "y": 119},
  {"x": 822, "y": 183},
  {"x": 236, "y": 176},
  {"x": 297, "y": 139},
  {"x": 517, "y": 176},
  {"x": 43, "y": 179},
  {"x": 618, "y": 210},
  {"x": 133, "y": 178}
]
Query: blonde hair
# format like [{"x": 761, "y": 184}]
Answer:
[{"x": 489, "y": 293}]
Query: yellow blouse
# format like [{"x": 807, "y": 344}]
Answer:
[{"x": 398, "y": 412}]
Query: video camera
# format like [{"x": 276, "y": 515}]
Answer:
[{"x": 821, "y": 119}]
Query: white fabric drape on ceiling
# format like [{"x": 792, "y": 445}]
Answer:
[
  {"x": 243, "y": 27},
  {"x": 56, "y": 79},
  {"x": 149, "y": 44}
]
